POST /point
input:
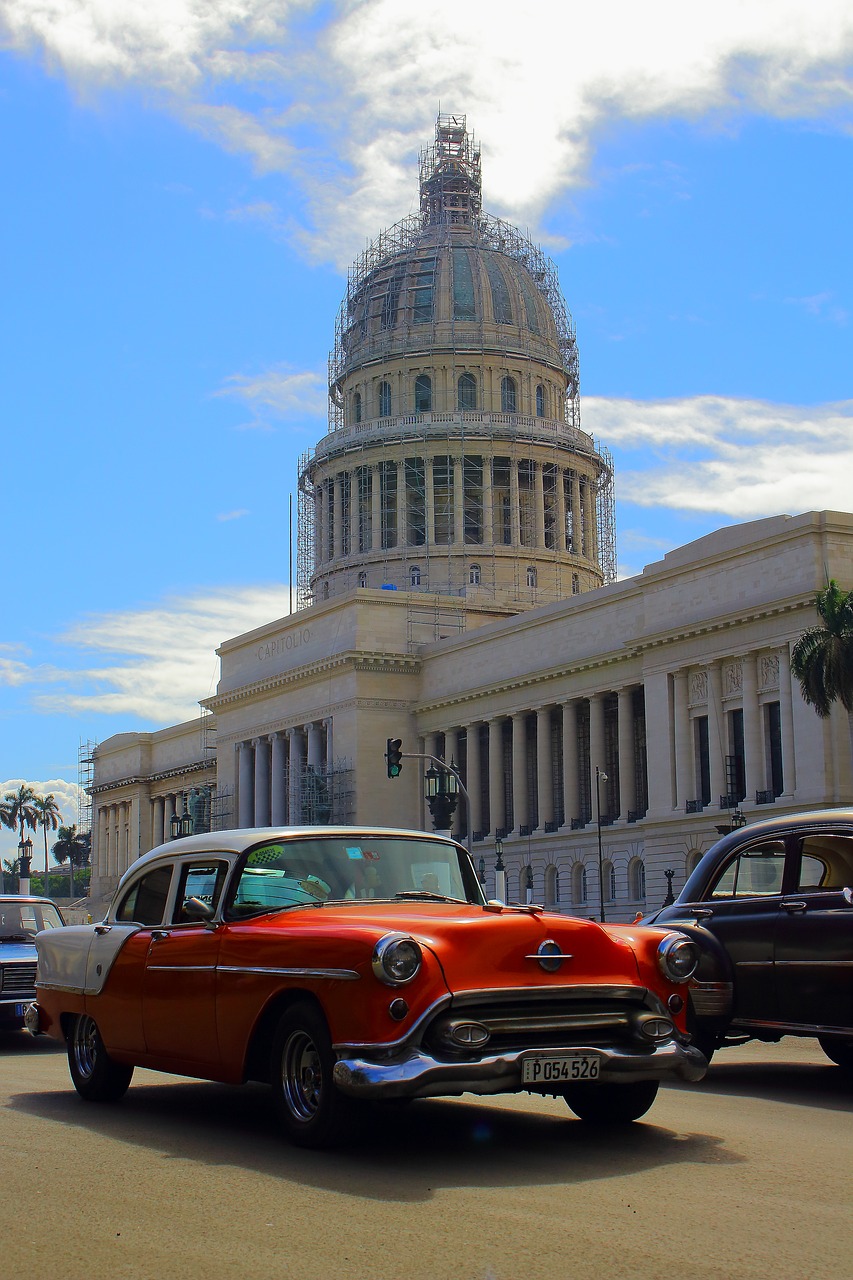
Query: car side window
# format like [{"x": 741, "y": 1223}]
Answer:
[
  {"x": 755, "y": 872},
  {"x": 145, "y": 900},
  {"x": 826, "y": 862},
  {"x": 201, "y": 882}
]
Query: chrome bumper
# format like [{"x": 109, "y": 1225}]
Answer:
[
  {"x": 420, "y": 1076},
  {"x": 31, "y": 1020}
]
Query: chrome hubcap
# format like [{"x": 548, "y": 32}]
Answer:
[
  {"x": 301, "y": 1076},
  {"x": 85, "y": 1046}
]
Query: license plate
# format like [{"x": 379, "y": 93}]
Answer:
[
  {"x": 19, "y": 1010},
  {"x": 577, "y": 1066}
]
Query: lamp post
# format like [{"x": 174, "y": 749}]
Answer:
[
  {"x": 481, "y": 870},
  {"x": 25, "y": 853},
  {"x": 500, "y": 870},
  {"x": 528, "y": 884},
  {"x": 441, "y": 791},
  {"x": 180, "y": 824},
  {"x": 670, "y": 896},
  {"x": 600, "y": 776}
]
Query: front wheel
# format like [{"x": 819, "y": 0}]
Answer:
[
  {"x": 95, "y": 1075},
  {"x": 607, "y": 1104},
  {"x": 310, "y": 1109},
  {"x": 838, "y": 1051}
]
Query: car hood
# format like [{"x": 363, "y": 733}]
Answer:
[
  {"x": 482, "y": 947},
  {"x": 17, "y": 951}
]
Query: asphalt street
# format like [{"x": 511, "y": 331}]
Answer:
[{"x": 745, "y": 1175}]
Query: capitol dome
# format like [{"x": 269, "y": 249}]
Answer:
[{"x": 455, "y": 462}]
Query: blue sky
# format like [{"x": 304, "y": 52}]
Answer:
[{"x": 185, "y": 184}]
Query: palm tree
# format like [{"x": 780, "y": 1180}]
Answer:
[
  {"x": 17, "y": 811},
  {"x": 47, "y": 815},
  {"x": 75, "y": 846},
  {"x": 822, "y": 658}
]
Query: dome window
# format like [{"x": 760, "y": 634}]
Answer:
[
  {"x": 509, "y": 401},
  {"x": 463, "y": 287},
  {"x": 414, "y": 576},
  {"x": 362, "y": 578},
  {"x": 540, "y": 401},
  {"x": 423, "y": 394},
  {"x": 576, "y": 584},
  {"x": 531, "y": 575},
  {"x": 356, "y": 406},
  {"x": 474, "y": 575},
  {"x": 467, "y": 392},
  {"x": 384, "y": 400}
]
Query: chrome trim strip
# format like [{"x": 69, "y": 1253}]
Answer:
[
  {"x": 180, "y": 968},
  {"x": 345, "y": 975},
  {"x": 818, "y": 964},
  {"x": 419, "y": 1075},
  {"x": 798, "y": 1028}
]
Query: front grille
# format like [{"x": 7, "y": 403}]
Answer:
[
  {"x": 18, "y": 979},
  {"x": 518, "y": 1021}
]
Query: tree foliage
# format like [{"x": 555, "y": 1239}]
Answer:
[{"x": 822, "y": 658}]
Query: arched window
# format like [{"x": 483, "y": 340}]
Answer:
[
  {"x": 325, "y": 590},
  {"x": 540, "y": 401},
  {"x": 466, "y": 388},
  {"x": 552, "y": 886},
  {"x": 474, "y": 575},
  {"x": 415, "y": 576},
  {"x": 384, "y": 398},
  {"x": 423, "y": 393},
  {"x": 576, "y": 585},
  {"x": 693, "y": 859},
  {"x": 637, "y": 880},
  {"x": 531, "y": 575},
  {"x": 579, "y": 889},
  {"x": 356, "y": 406},
  {"x": 508, "y": 397},
  {"x": 608, "y": 874},
  {"x": 362, "y": 578}
]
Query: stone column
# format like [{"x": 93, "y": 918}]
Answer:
[
  {"x": 169, "y": 811},
  {"x": 514, "y": 509},
  {"x": 262, "y": 781},
  {"x": 539, "y": 504},
  {"x": 330, "y": 755},
  {"x": 314, "y": 734},
  {"x": 458, "y": 503},
  {"x": 571, "y": 804},
  {"x": 544, "y": 769},
  {"x": 497, "y": 807},
  {"x": 716, "y": 745},
  {"x": 488, "y": 503},
  {"x": 596, "y": 743},
  {"x": 429, "y": 503},
  {"x": 278, "y": 808},
  {"x": 245, "y": 785},
  {"x": 402, "y": 510},
  {"x": 627, "y": 787},
  {"x": 753, "y": 753},
  {"x": 786, "y": 714},
  {"x": 295, "y": 815},
  {"x": 560, "y": 536},
  {"x": 158, "y": 835},
  {"x": 577, "y": 540},
  {"x": 684, "y": 781},
  {"x": 520, "y": 807},
  {"x": 337, "y": 532},
  {"x": 474, "y": 780},
  {"x": 375, "y": 509}
]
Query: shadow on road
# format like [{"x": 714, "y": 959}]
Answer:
[
  {"x": 405, "y": 1153},
  {"x": 803, "y": 1084}
]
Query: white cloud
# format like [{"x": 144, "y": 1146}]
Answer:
[
  {"x": 225, "y": 516},
  {"x": 362, "y": 82},
  {"x": 741, "y": 458},
  {"x": 280, "y": 392},
  {"x": 157, "y": 661}
]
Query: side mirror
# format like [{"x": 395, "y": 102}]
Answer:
[{"x": 194, "y": 909}]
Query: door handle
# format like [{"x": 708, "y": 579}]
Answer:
[
  {"x": 101, "y": 929},
  {"x": 157, "y": 935},
  {"x": 794, "y": 906}
]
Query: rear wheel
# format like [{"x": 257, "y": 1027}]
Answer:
[
  {"x": 310, "y": 1108},
  {"x": 838, "y": 1051},
  {"x": 606, "y": 1104},
  {"x": 95, "y": 1075}
]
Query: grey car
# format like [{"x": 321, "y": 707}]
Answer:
[{"x": 21, "y": 918}]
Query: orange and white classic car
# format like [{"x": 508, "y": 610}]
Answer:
[{"x": 343, "y": 965}]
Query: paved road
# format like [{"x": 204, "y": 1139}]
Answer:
[{"x": 745, "y": 1175}]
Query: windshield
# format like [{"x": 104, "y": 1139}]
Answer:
[
  {"x": 23, "y": 920},
  {"x": 351, "y": 868}
]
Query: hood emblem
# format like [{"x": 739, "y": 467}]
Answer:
[{"x": 550, "y": 955}]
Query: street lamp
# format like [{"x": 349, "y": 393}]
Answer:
[
  {"x": 528, "y": 884},
  {"x": 670, "y": 896},
  {"x": 738, "y": 820},
  {"x": 180, "y": 824},
  {"x": 481, "y": 868},
  {"x": 25, "y": 853},
  {"x": 441, "y": 791},
  {"x": 600, "y": 776},
  {"x": 500, "y": 870}
]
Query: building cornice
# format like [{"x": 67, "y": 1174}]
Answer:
[
  {"x": 138, "y": 779},
  {"x": 355, "y": 660}
]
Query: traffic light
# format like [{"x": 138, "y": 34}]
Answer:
[{"x": 394, "y": 756}]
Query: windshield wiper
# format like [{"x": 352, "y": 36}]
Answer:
[{"x": 426, "y": 895}]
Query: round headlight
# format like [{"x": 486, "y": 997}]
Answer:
[
  {"x": 396, "y": 959},
  {"x": 678, "y": 957}
]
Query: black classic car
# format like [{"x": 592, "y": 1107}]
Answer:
[{"x": 771, "y": 906}]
